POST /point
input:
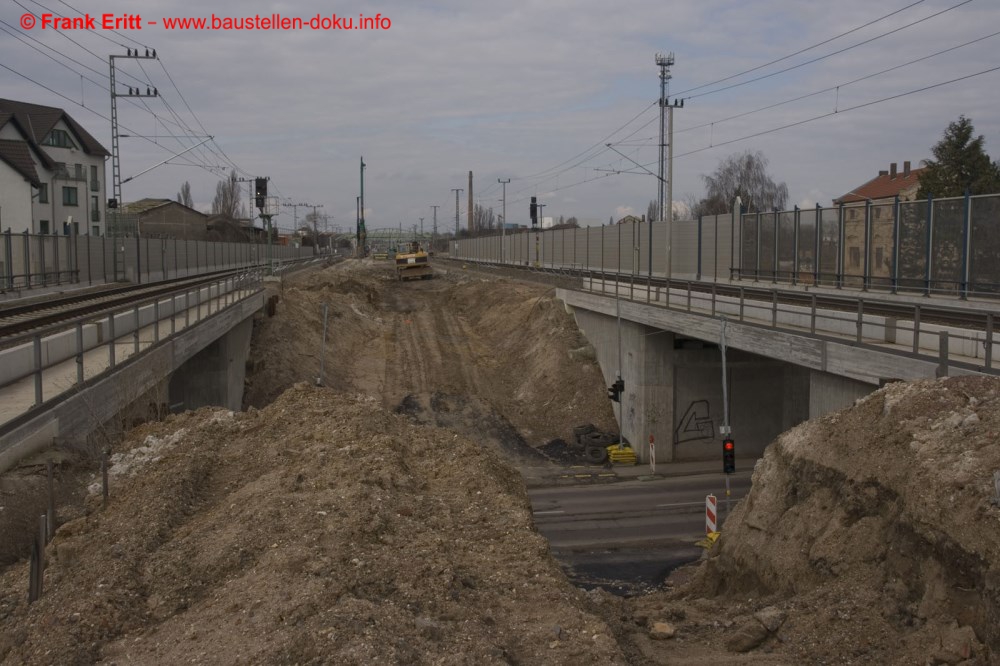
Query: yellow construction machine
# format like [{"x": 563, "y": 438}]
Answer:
[{"x": 412, "y": 262}]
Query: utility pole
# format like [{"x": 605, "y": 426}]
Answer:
[
  {"x": 456, "y": 190},
  {"x": 665, "y": 62},
  {"x": 362, "y": 233},
  {"x": 434, "y": 229},
  {"x": 541, "y": 220},
  {"x": 421, "y": 227},
  {"x": 315, "y": 230},
  {"x": 116, "y": 228},
  {"x": 470, "y": 204},
  {"x": 503, "y": 225}
]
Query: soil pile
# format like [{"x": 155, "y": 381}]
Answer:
[
  {"x": 870, "y": 537},
  {"x": 321, "y": 529},
  {"x": 509, "y": 346}
]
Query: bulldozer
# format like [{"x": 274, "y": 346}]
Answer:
[{"x": 412, "y": 262}]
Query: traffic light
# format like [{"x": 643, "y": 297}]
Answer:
[
  {"x": 728, "y": 455},
  {"x": 615, "y": 390},
  {"x": 260, "y": 191},
  {"x": 533, "y": 210}
]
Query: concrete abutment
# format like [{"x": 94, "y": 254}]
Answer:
[{"x": 673, "y": 390}]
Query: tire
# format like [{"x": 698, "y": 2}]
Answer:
[
  {"x": 596, "y": 454},
  {"x": 598, "y": 439},
  {"x": 582, "y": 430}
]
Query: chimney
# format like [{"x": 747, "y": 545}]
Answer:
[
  {"x": 906, "y": 169},
  {"x": 883, "y": 173},
  {"x": 892, "y": 171}
]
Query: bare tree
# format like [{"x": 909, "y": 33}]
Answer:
[
  {"x": 482, "y": 218},
  {"x": 227, "y": 198},
  {"x": 653, "y": 211},
  {"x": 741, "y": 175},
  {"x": 184, "y": 196}
]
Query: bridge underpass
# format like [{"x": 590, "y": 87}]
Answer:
[
  {"x": 68, "y": 382},
  {"x": 786, "y": 362}
]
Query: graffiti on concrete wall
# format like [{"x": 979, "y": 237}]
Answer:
[{"x": 695, "y": 424}]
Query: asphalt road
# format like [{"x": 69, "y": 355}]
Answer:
[{"x": 628, "y": 536}]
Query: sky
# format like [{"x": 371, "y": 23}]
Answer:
[{"x": 526, "y": 90}]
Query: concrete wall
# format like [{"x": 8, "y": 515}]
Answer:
[
  {"x": 830, "y": 393},
  {"x": 647, "y": 370}
]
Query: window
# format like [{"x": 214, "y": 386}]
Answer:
[
  {"x": 69, "y": 196},
  {"x": 855, "y": 257},
  {"x": 95, "y": 230},
  {"x": 59, "y": 138},
  {"x": 95, "y": 210},
  {"x": 43, "y": 193},
  {"x": 43, "y": 226},
  {"x": 78, "y": 171},
  {"x": 95, "y": 186},
  {"x": 879, "y": 255}
]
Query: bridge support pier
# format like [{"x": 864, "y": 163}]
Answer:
[
  {"x": 215, "y": 375},
  {"x": 829, "y": 393},
  {"x": 673, "y": 390}
]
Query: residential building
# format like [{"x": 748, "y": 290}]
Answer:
[
  {"x": 66, "y": 193},
  {"x": 881, "y": 191},
  {"x": 166, "y": 218}
]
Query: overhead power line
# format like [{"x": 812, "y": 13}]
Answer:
[
  {"x": 800, "y": 51},
  {"x": 829, "y": 55},
  {"x": 815, "y": 93}
]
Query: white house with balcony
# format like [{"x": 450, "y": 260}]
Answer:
[{"x": 51, "y": 172}]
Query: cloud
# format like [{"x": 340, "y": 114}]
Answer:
[{"x": 524, "y": 90}]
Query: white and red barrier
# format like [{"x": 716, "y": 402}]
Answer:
[{"x": 711, "y": 512}]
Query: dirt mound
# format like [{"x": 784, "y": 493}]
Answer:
[
  {"x": 508, "y": 344},
  {"x": 471, "y": 417},
  {"x": 871, "y": 533},
  {"x": 322, "y": 529}
]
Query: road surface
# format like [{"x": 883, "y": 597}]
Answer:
[{"x": 628, "y": 536}]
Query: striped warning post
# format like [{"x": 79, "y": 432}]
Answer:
[{"x": 710, "y": 514}]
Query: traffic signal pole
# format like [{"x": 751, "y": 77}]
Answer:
[{"x": 728, "y": 445}]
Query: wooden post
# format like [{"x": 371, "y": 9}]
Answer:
[
  {"x": 50, "y": 515},
  {"x": 104, "y": 475}
]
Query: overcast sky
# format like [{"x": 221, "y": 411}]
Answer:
[{"x": 526, "y": 90}]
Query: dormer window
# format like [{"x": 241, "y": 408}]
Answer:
[{"x": 60, "y": 139}]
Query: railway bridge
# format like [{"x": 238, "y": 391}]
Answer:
[{"x": 810, "y": 309}]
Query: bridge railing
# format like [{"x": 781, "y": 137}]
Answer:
[
  {"x": 951, "y": 337},
  {"x": 50, "y": 362}
]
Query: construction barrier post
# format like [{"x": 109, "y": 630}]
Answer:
[{"x": 710, "y": 514}]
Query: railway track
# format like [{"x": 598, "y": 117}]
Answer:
[{"x": 20, "y": 319}]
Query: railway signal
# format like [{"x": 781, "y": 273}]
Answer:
[{"x": 260, "y": 191}]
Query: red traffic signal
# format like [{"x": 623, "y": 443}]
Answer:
[{"x": 728, "y": 456}]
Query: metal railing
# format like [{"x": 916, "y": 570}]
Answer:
[
  {"x": 53, "y": 361},
  {"x": 949, "y": 336}
]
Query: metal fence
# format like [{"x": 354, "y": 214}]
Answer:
[
  {"x": 31, "y": 260},
  {"x": 949, "y": 246},
  {"x": 932, "y": 246},
  {"x": 699, "y": 248}
]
